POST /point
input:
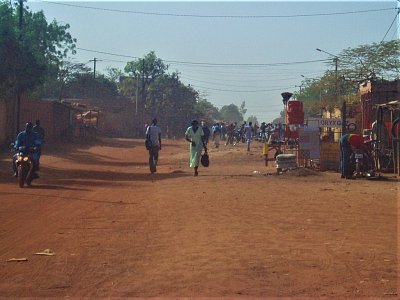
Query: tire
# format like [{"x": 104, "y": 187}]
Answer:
[
  {"x": 277, "y": 153},
  {"x": 21, "y": 176},
  {"x": 393, "y": 129},
  {"x": 358, "y": 170}
]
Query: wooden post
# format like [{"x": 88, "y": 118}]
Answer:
[{"x": 265, "y": 153}]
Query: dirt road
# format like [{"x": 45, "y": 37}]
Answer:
[{"x": 118, "y": 231}]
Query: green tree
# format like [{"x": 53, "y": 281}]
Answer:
[
  {"x": 83, "y": 85},
  {"x": 252, "y": 119},
  {"x": 376, "y": 60},
  {"x": 28, "y": 55},
  {"x": 147, "y": 70},
  {"x": 58, "y": 78},
  {"x": 173, "y": 103},
  {"x": 207, "y": 111},
  {"x": 242, "y": 109},
  {"x": 355, "y": 65},
  {"x": 231, "y": 113},
  {"x": 114, "y": 74}
]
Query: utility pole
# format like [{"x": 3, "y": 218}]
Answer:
[
  {"x": 94, "y": 60},
  {"x": 142, "y": 94},
  {"x": 18, "y": 77},
  {"x": 137, "y": 92},
  {"x": 336, "y": 60}
]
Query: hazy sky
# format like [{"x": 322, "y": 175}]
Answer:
[{"x": 237, "y": 43}]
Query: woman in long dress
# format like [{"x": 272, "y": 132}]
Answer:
[{"x": 195, "y": 136}]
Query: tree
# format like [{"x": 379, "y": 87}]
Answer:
[
  {"x": 83, "y": 85},
  {"x": 114, "y": 74},
  {"x": 252, "y": 119},
  {"x": 242, "y": 109},
  {"x": 147, "y": 70},
  {"x": 231, "y": 113},
  {"x": 207, "y": 111},
  {"x": 355, "y": 65},
  {"x": 280, "y": 119},
  {"x": 366, "y": 62},
  {"x": 27, "y": 55},
  {"x": 172, "y": 103},
  {"x": 58, "y": 78}
]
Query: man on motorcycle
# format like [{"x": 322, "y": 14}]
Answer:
[
  {"x": 350, "y": 143},
  {"x": 27, "y": 138}
]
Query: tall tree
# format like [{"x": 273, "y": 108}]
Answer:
[
  {"x": 231, "y": 113},
  {"x": 252, "y": 119},
  {"x": 27, "y": 55},
  {"x": 355, "y": 65},
  {"x": 207, "y": 111},
  {"x": 147, "y": 70},
  {"x": 172, "y": 102}
]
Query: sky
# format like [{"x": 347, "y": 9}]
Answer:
[{"x": 229, "y": 51}]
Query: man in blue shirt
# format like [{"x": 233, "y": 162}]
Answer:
[
  {"x": 27, "y": 138},
  {"x": 153, "y": 133}
]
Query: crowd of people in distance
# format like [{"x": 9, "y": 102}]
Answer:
[{"x": 233, "y": 133}]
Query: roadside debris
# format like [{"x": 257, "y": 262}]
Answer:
[
  {"x": 46, "y": 252},
  {"x": 17, "y": 259}
]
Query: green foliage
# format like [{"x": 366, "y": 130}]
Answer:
[
  {"x": 29, "y": 55},
  {"x": 242, "y": 109},
  {"x": 172, "y": 103},
  {"x": 355, "y": 65},
  {"x": 252, "y": 119},
  {"x": 114, "y": 74},
  {"x": 83, "y": 85},
  {"x": 206, "y": 111},
  {"x": 150, "y": 67},
  {"x": 58, "y": 78},
  {"x": 231, "y": 113},
  {"x": 366, "y": 62}
]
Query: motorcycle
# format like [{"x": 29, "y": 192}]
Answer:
[
  {"x": 24, "y": 163},
  {"x": 239, "y": 137},
  {"x": 362, "y": 164}
]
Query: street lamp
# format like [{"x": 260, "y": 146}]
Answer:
[{"x": 336, "y": 60}]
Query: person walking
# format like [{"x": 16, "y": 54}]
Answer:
[
  {"x": 195, "y": 136},
  {"x": 153, "y": 134},
  {"x": 248, "y": 131},
  {"x": 216, "y": 134},
  {"x": 206, "y": 132},
  {"x": 348, "y": 144}
]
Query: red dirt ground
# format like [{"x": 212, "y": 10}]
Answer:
[{"x": 118, "y": 231}]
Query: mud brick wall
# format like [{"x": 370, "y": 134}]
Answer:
[
  {"x": 330, "y": 156},
  {"x": 3, "y": 122},
  {"x": 54, "y": 117}
]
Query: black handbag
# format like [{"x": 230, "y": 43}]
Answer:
[
  {"x": 148, "y": 144},
  {"x": 205, "y": 160}
]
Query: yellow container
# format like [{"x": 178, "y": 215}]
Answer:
[{"x": 265, "y": 149}]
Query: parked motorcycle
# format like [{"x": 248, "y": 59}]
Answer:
[
  {"x": 362, "y": 164},
  {"x": 238, "y": 137},
  {"x": 24, "y": 163}
]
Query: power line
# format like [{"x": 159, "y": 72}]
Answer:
[
  {"x": 217, "y": 81},
  {"x": 240, "y": 91},
  {"x": 211, "y": 64},
  {"x": 219, "y": 16},
  {"x": 395, "y": 17},
  {"x": 396, "y": 31}
]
